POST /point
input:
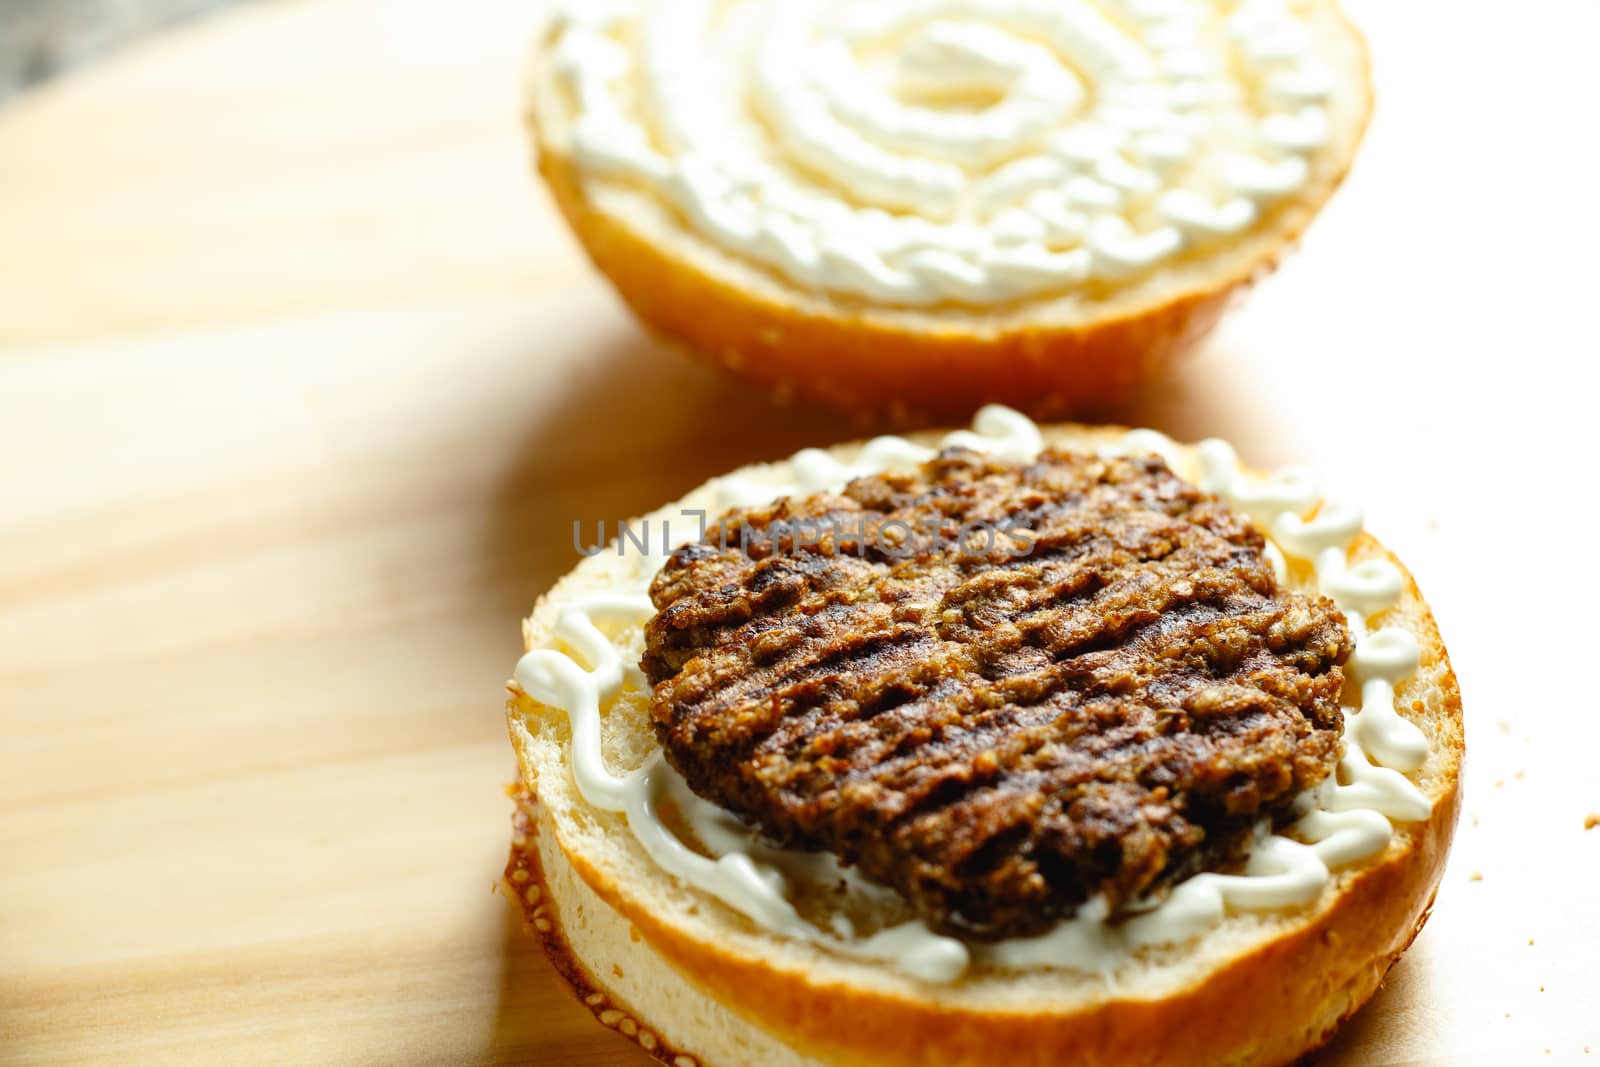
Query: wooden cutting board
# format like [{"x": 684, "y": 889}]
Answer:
[{"x": 302, "y": 384}]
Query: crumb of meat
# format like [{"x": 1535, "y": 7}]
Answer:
[{"x": 999, "y": 730}]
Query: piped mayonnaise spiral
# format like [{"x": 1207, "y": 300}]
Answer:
[
  {"x": 1348, "y": 818},
  {"x": 914, "y": 152}
]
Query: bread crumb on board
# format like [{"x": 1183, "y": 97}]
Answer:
[
  {"x": 1590, "y": 821},
  {"x": 1475, "y": 876}
]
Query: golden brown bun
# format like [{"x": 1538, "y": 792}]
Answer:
[
  {"x": 1055, "y": 357},
  {"x": 675, "y": 969}
]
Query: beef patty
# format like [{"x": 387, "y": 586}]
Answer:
[{"x": 1102, "y": 700}]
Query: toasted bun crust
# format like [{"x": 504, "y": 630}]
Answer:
[
  {"x": 685, "y": 976},
  {"x": 1066, "y": 355}
]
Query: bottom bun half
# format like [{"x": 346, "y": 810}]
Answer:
[{"x": 694, "y": 983}]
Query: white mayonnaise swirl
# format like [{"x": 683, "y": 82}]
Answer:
[
  {"x": 915, "y": 152},
  {"x": 1348, "y": 818}
]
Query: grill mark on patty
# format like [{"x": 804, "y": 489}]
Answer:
[{"x": 999, "y": 736}]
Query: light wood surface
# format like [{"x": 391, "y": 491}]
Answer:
[{"x": 302, "y": 384}]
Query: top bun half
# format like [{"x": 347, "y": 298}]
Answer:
[{"x": 906, "y": 210}]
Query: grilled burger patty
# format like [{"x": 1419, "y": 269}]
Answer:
[{"x": 1002, "y": 688}]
